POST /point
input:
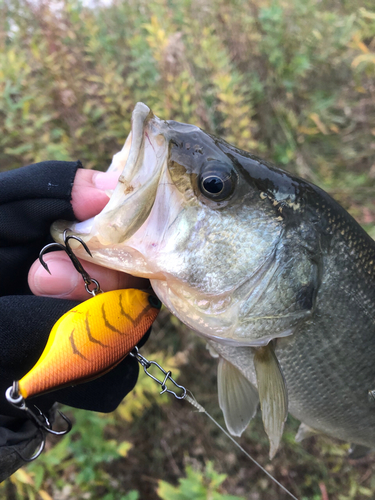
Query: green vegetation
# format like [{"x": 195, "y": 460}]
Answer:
[
  {"x": 197, "y": 485},
  {"x": 294, "y": 82},
  {"x": 290, "y": 80}
]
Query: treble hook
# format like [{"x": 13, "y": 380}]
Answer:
[
  {"x": 16, "y": 399},
  {"x": 58, "y": 433},
  {"x": 36, "y": 454},
  {"x": 76, "y": 263},
  {"x": 41, "y": 421}
]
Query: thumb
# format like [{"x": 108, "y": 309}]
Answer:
[{"x": 88, "y": 193}]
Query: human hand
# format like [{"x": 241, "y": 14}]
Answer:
[{"x": 31, "y": 198}]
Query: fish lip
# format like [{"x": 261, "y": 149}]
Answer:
[
  {"x": 140, "y": 115},
  {"x": 133, "y": 180},
  {"x": 133, "y": 198}
]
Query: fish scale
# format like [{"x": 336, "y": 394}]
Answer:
[{"x": 337, "y": 404}]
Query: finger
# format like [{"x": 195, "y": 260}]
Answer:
[
  {"x": 65, "y": 282},
  {"x": 89, "y": 192}
]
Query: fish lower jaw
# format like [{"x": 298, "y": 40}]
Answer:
[{"x": 220, "y": 326}]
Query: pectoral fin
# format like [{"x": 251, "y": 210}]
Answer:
[
  {"x": 238, "y": 398},
  {"x": 272, "y": 395},
  {"x": 304, "y": 432}
]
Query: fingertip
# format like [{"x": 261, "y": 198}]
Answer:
[
  {"x": 89, "y": 195},
  {"x": 61, "y": 281},
  {"x": 105, "y": 180},
  {"x": 65, "y": 282}
]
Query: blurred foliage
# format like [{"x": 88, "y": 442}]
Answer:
[
  {"x": 289, "y": 80},
  {"x": 198, "y": 485},
  {"x": 71, "y": 468},
  {"x": 294, "y": 82}
]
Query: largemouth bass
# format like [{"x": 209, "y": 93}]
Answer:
[{"x": 268, "y": 268}]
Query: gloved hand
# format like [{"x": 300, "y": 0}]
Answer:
[{"x": 31, "y": 198}]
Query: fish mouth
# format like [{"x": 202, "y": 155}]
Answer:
[{"x": 140, "y": 165}]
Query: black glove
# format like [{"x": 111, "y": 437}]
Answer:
[{"x": 31, "y": 198}]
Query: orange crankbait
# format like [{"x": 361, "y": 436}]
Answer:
[{"x": 91, "y": 339}]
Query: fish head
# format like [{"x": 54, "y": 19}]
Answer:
[{"x": 193, "y": 214}]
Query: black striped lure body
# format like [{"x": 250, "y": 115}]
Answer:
[{"x": 91, "y": 339}]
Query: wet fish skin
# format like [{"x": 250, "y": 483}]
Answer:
[{"x": 275, "y": 263}]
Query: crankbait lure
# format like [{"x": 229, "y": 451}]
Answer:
[
  {"x": 86, "y": 342},
  {"x": 91, "y": 339}
]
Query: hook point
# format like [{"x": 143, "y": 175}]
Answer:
[{"x": 44, "y": 264}]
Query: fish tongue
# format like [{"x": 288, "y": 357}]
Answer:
[{"x": 272, "y": 395}]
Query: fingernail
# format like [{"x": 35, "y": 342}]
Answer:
[
  {"x": 104, "y": 180},
  {"x": 62, "y": 280}
]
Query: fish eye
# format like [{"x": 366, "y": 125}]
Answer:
[{"x": 217, "y": 181}]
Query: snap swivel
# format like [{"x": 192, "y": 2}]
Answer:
[{"x": 146, "y": 364}]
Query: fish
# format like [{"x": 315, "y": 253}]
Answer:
[
  {"x": 91, "y": 339},
  {"x": 270, "y": 270}
]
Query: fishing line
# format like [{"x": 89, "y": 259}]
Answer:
[
  {"x": 191, "y": 399},
  {"x": 146, "y": 364}
]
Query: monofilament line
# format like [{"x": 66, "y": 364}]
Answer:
[{"x": 200, "y": 408}]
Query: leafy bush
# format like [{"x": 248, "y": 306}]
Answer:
[
  {"x": 291, "y": 81},
  {"x": 198, "y": 485}
]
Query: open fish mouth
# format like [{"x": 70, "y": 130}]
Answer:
[
  {"x": 130, "y": 233},
  {"x": 140, "y": 163}
]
